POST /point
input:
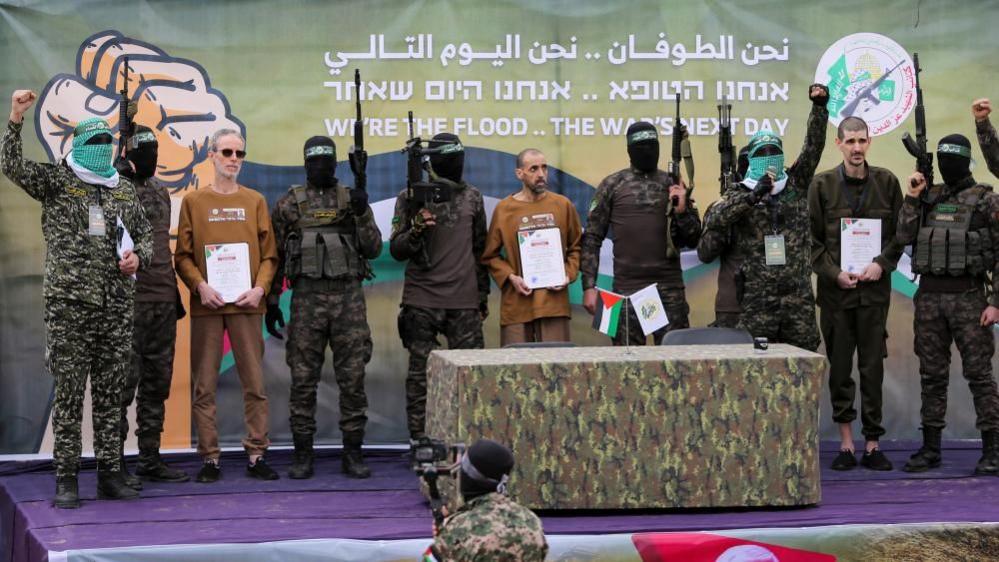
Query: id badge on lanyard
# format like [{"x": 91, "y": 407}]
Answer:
[{"x": 96, "y": 224}]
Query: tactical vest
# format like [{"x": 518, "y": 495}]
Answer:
[
  {"x": 324, "y": 246},
  {"x": 955, "y": 240}
]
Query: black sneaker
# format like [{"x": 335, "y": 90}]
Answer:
[
  {"x": 845, "y": 460},
  {"x": 261, "y": 470},
  {"x": 210, "y": 472},
  {"x": 875, "y": 460}
]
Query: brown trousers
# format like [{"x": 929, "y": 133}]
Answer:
[
  {"x": 247, "y": 343},
  {"x": 541, "y": 329}
]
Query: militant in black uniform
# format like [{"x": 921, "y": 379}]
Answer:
[
  {"x": 326, "y": 234},
  {"x": 446, "y": 286},
  {"x": 633, "y": 207},
  {"x": 154, "y": 326},
  {"x": 955, "y": 236}
]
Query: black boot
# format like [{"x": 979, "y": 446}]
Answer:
[
  {"x": 130, "y": 479},
  {"x": 301, "y": 463},
  {"x": 112, "y": 486},
  {"x": 67, "y": 494},
  {"x": 151, "y": 467},
  {"x": 988, "y": 465},
  {"x": 353, "y": 460},
  {"x": 928, "y": 456}
]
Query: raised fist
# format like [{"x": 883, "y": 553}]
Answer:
[
  {"x": 819, "y": 94},
  {"x": 981, "y": 108},
  {"x": 20, "y": 101},
  {"x": 172, "y": 96}
]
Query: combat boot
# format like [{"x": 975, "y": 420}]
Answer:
[
  {"x": 130, "y": 479},
  {"x": 353, "y": 460},
  {"x": 112, "y": 486},
  {"x": 67, "y": 494},
  {"x": 928, "y": 456},
  {"x": 301, "y": 463},
  {"x": 988, "y": 465},
  {"x": 151, "y": 467}
]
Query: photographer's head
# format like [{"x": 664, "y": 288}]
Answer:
[{"x": 485, "y": 468}]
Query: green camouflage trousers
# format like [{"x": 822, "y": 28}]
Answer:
[
  {"x": 418, "y": 328},
  {"x": 941, "y": 318},
  {"x": 338, "y": 319},
  {"x": 87, "y": 341},
  {"x": 154, "y": 334}
]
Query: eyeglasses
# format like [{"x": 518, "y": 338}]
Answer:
[{"x": 228, "y": 152}]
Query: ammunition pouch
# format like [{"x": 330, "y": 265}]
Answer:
[{"x": 954, "y": 241}]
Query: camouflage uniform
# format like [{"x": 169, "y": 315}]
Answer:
[
  {"x": 88, "y": 302},
  {"x": 327, "y": 310},
  {"x": 632, "y": 205},
  {"x": 154, "y": 327},
  {"x": 422, "y": 317},
  {"x": 718, "y": 245},
  {"x": 492, "y": 528},
  {"x": 777, "y": 300},
  {"x": 990, "y": 144},
  {"x": 949, "y": 308}
]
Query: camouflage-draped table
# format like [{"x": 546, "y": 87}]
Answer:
[{"x": 653, "y": 427}]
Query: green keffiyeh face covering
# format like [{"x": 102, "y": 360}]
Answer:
[
  {"x": 765, "y": 150},
  {"x": 92, "y": 147}
]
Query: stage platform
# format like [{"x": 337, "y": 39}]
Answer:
[{"x": 331, "y": 517}]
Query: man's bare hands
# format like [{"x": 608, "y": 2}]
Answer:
[
  {"x": 916, "y": 185},
  {"x": 590, "y": 301},
  {"x": 846, "y": 280},
  {"x": 210, "y": 298},
  {"x": 250, "y": 299},
  {"x": 981, "y": 108},
  {"x": 519, "y": 284},
  {"x": 20, "y": 101},
  {"x": 872, "y": 272},
  {"x": 129, "y": 263}
]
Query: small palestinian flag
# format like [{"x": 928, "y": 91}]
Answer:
[{"x": 608, "y": 313}]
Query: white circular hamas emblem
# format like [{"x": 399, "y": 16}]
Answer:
[{"x": 871, "y": 77}]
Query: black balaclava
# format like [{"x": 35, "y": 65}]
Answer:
[
  {"x": 320, "y": 161},
  {"x": 954, "y": 158},
  {"x": 643, "y": 146},
  {"x": 450, "y": 162},
  {"x": 485, "y": 469},
  {"x": 142, "y": 152},
  {"x": 742, "y": 163}
]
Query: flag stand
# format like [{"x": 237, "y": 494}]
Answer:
[{"x": 627, "y": 328}]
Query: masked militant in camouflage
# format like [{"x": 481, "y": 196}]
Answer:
[{"x": 88, "y": 290}]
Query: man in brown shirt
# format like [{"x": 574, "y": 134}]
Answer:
[
  {"x": 526, "y": 314},
  {"x": 227, "y": 213}
]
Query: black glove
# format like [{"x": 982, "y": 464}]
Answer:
[
  {"x": 274, "y": 318},
  {"x": 763, "y": 187},
  {"x": 358, "y": 201},
  {"x": 484, "y": 309},
  {"x": 124, "y": 168},
  {"x": 819, "y": 100}
]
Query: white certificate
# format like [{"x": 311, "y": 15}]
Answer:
[
  {"x": 228, "y": 267},
  {"x": 541, "y": 260},
  {"x": 860, "y": 243}
]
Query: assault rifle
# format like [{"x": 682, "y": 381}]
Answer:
[
  {"x": 125, "y": 128},
  {"x": 917, "y": 147},
  {"x": 421, "y": 192},
  {"x": 357, "y": 156},
  {"x": 726, "y": 150}
]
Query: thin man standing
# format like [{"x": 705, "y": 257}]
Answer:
[
  {"x": 532, "y": 314},
  {"x": 220, "y": 214},
  {"x": 853, "y": 302}
]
